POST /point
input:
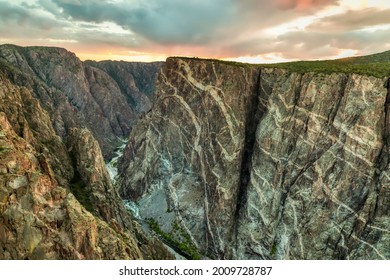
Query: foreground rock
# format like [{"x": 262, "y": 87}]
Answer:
[
  {"x": 39, "y": 217},
  {"x": 264, "y": 164}
]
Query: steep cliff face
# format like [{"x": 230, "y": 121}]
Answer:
[
  {"x": 184, "y": 158},
  {"x": 318, "y": 187},
  {"x": 31, "y": 122},
  {"x": 77, "y": 94},
  {"x": 40, "y": 218},
  {"x": 92, "y": 182},
  {"x": 136, "y": 81},
  {"x": 263, "y": 163}
]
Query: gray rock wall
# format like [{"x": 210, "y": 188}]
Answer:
[{"x": 263, "y": 163}]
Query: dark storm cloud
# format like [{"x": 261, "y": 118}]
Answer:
[{"x": 165, "y": 22}]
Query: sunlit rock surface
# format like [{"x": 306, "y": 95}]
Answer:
[{"x": 59, "y": 203}]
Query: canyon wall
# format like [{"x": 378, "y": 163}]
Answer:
[
  {"x": 262, "y": 163},
  {"x": 105, "y": 97},
  {"x": 56, "y": 198}
]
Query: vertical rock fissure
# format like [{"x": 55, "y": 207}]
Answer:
[
  {"x": 386, "y": 135},
  {"x": 252, "y": 120},
  {"x": 383, "y": 157}
]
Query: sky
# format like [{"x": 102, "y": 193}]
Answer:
[{"x": 254, "y": 31}]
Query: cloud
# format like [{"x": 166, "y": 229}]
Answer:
[
  {"x": 218, "y": 28},
  {"x": 171, "y": 22},
  {"x": 26, "y": 21},
  {"x": 352, "y": 20},
  {"x": 326, "y": 36},
  {"x": 164, "y": 22},
  {"x": 303, "y": 45},
  {"x": 20, "y": 15}
]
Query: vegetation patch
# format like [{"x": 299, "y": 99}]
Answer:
[
  {"x": 178, "y": 238},
  {"x": 273, "y": 250},
  {"x": 4, "y": 149},
  {"x": 377, "y": 65},
  {"x": 78, "y": 188},
  {"x": 376, "y": 69}
]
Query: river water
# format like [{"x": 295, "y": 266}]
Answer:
[{"x": 132, "y": 206}]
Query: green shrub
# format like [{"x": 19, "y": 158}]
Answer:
[{"x": 178, "y": 238}]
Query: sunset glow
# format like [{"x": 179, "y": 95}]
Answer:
[{"x": 247, "y": 31}]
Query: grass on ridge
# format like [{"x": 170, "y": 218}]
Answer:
[{"x": 377, "y": 65}]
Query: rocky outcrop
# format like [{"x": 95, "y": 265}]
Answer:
[
  {"x": 32, "y": 123},
  {"x": 92, "y": 182},
  {"x": 40, "y": 218},
  {"x": 262, "y": 163},
  {"x": 92, "y": 186},
  {"x": 80, "y": 95}
]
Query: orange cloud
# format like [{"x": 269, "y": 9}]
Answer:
[{"x": 302, "y": 4}]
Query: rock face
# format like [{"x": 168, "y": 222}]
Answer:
[
  {"x": 92, "y": 183},
  {"x": 318, "y": 187},
  {"x": 184, "y": 158},
  {"x": 77, "y": 94},
  {"x": 55, "y": 203},
  {"x": 136, "y": 81},
  {"x": 233, "y": 161},
  {"x": 261, "y": 163}
]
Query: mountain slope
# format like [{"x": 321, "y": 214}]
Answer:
[
  {"x": 56, "y": 197},
  {"x": 40, "y": 219},
  {"x": 77, "y": 94}
]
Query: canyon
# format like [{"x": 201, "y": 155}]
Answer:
[
  {"x": 58, "y": 125},
  {"x": 223, "y": 160}
]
